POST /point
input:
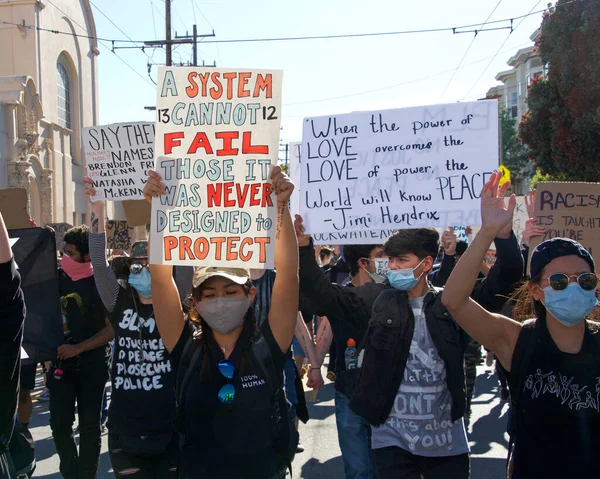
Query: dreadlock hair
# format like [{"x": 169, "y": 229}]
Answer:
[{"x": 205, "y": 333}]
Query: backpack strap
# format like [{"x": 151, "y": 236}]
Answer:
[
  {"x": 191, "y": 355},
  {"x": 520, "y": 361}
]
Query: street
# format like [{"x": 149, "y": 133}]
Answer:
[{"x": 322, "y": 459}]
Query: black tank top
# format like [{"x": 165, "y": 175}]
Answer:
[{"x": 558, "y": 418}]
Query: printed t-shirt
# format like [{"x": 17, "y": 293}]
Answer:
[
  {"x": 225, "y": 441},
  {"x": 143, "y": 382},
  {"x": 420, "y": 420},
  {"x": 558, "y": 418}
]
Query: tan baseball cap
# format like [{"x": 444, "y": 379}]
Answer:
[{"x": 237, "y": 275}]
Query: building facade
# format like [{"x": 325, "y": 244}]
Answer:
[{"x": 48, "y": 93}]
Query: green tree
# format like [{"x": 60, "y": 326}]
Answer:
[
  {"x": 562, "y": 127},
  {"x": 514, "y": 153}
]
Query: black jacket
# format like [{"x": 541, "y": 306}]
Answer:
[
  {"x": 387, "y": 348},
  {"x": 12, "y": 318}
]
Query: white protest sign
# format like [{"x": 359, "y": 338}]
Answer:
[
  {"x": 391, "y": 169},
  {"x": 295, "y": 176},
  {"x": 520, "y": 217},
  {"x": 217, "y": 136},
  {"x": 117, "y": 158}
]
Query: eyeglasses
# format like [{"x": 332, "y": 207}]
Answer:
[
  {"x": 560, "y": 281},
  {"x": 137, "y": 268},
  {"x": 227, "y": 392}
]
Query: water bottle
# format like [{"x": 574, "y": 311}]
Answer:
[{"x": 351, "y": 355}]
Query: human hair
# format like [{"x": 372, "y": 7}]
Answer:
[
  {"x": 421, "y": 242},
  {"x": 352, "y": 253},
  {"x": 325, "y": 252},
  {"x": 204, "y": 331},
  {"x": 78, "y": 236}
]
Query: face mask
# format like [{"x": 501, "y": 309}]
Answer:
[
  {"x": 224, "y": 314},
  {"x": 75, "y": 270},
  {"x": 571, "y": 305},
  {"x": 404, "y": 279},
  {"x": 381, "y": 270},
  {"x": 141, "y": 283}
]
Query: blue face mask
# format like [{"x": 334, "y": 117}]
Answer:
[
  {"x": 571, "y": 305},
  {"x": 404, "y": 279},
  {"x": 141, "y": 283}
]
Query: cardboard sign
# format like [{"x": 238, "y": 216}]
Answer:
[
  {"x": 569, "y": 210},
  {"x": 59, "y": 233},
  {"x": 13, "y": 206},
  {"x": 217, "y": 137},
  {"x": 392, "y": 169},
  {"x": 118, "y": 235},
  {"x": 117, "y": 158},
  {"x": 137, "y": 212}
]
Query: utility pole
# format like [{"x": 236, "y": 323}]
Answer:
[
  {"x": 195, "y": 45},
  {"x": 168, "y": 32}
]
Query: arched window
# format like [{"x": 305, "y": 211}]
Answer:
[{"x": 63, "y": 91}]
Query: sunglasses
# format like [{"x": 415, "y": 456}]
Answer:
[
  {"x": 560, "y": 281},
  {"x": 227, "y": 392},
  {"x": 137, "y": 268}
]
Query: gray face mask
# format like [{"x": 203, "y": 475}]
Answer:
[{"x": 224, "y": 315}]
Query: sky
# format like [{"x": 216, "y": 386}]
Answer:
[{"x": 321, "y": 77}]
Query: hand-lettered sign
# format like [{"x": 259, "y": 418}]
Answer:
[
  {"x": 569, "y": 210},
  {"x": 59, "y": 233},
  {"x": 118, "y": 235},
  {"x": 117, "y": 158},
  {"x": 217, "y": 136},
  {"x": 392, "y": 169}
]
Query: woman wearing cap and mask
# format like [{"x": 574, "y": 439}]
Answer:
[
  {"x": 226, "y": 420},
  {"x": 553, "y": 360},
  {"x": 142, "y": 437}
]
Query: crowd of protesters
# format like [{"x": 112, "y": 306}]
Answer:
[{"x": 206, "y": 364}]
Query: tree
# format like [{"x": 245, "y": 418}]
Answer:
[
  {"x": 562, "y": 126},
  {"x": 514, "y": 153}
]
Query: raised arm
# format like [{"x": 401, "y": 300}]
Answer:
[
  {"x": 106, "y": 281},
  {"x": 496, "y": 332},
  {"x": 168, "y": 311},
  {"x": 284, "y": 303}
]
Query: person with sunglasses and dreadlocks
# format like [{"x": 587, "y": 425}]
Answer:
[
  {"x": 552, "y": 359},
  {"x": 233, "y": 423},
  {"x": 142, "y": 438}
]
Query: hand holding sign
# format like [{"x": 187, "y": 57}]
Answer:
[
  {"x": 449, "y": 240},
  {"x": 303, "y": 239},
  {"x": 532, "y": 230},
  {"x": 495, "y": 214},
  {"x": 281, "y": 184},
  {"x": 154, "y": 187}
]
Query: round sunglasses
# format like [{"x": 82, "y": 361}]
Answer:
[
  {"x": 227, "y": 392},
  {"x": 137, "y": 268},
  {"x": 560, "y": 281}
]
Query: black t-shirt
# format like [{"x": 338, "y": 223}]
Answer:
[
  {"x": 228, "y": 441},
  {"x": 558, "y": 419},
  {"x": 143, "y": 382},
  {"x": 84, "y": 324}
]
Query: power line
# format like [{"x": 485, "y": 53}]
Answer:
[
  {"x": 153, "y": 19},
  {"x": 500, "y": 47},
  {"x": 467, "y": 51},
  {"x": 390, "y": 87},
  {"x": 454, "y": 30}
]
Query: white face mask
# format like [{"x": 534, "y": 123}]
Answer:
[
  {"x": 224, "y": 314},
  {"x": 381, "y": 269}
]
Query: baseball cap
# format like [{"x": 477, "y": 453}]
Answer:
[
  {"x": 556, "y": 248},
  {"x": 237, "y": 275}
]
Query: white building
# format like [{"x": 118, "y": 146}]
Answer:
[{"x": 48, "y": 92}]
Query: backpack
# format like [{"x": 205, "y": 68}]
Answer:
[
  {"x": 526, "y": 344},
  {"x": 285, "y": 435}
]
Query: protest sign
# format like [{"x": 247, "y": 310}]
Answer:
[
  {"x": 118, "y": 235},
  {"x": 520, "y": 217},
  {"x": 59, "y": 233},
  {"x": 217, "y": 137},
  {"x": 569, "y": 210},
  {"x": 117, "y": 158},
  {"x": 13, "y": 206},
  {"x": 137, "y": 212},
  {"x": 35, "y": 253},
  {"x": 391, "y": 169}
]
